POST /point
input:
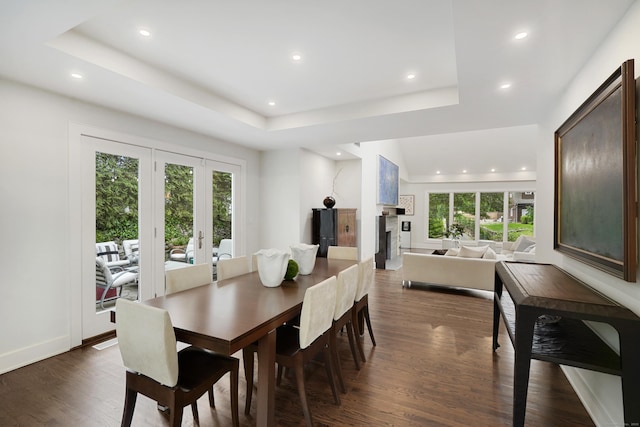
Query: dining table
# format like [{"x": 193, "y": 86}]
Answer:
[{"x": 230, "y": 314}]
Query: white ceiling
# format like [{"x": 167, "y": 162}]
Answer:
[{"x": 212, "y": 66}]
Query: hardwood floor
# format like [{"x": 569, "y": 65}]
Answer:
[{"x": 433, "y": 366}]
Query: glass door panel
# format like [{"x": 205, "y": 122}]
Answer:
[{"x": 115, "y": 202}]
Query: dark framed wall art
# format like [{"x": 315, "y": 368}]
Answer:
[{"x": 595, "y": 179}]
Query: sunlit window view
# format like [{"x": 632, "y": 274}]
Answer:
[
  {"x": 458, "y": 220},
  {"x": 117, "y": 248}
]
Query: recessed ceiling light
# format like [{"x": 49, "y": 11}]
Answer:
[
  {"x": 272, "y": 103},
  {"x": 524, "y": 168},
  {"x": 464, "y": 171},
  {"x": 338, "y": 154},
  {"x": 144, "y": 32},
  {"x": 521, "y": 35},
  {"x": 76, "y": 75},
  {"x": 505, "y": 85},
  {"x": 296, "y": 57},
  {"x": 411, "y": 76},
  {"x": 437, "y": 172},
  {"x": 493, "y": 169}
]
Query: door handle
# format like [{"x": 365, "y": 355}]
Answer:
[{"x": 200, "y": 239}]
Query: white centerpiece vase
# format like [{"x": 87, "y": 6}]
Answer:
[
  {"x": 305, "y": 256},
  {"x": 272, "y": 266}
]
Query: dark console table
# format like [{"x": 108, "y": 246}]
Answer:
[{"x": 534, "y": 290}]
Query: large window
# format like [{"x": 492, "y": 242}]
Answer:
[{"x": 499, "y": 216}]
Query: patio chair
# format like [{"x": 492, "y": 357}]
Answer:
[
  {"x": 110, "y": 253},
  {"x": 132, "y": 250},
  {"x": 224, "y": 250},
  {"x": 109, "y": 280},
  {"x": 183, "y": 255}
]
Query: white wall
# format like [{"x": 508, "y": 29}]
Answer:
[
  {"x": 34, "y": 211},
  {"x": 601, "y": 393}
]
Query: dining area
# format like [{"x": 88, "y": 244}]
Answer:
[{"x": 237, "y": 317}]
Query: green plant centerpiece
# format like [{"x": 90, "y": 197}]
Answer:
[
  {"x": 292, "y": 270},
  {"x": 454, "y": 231}
]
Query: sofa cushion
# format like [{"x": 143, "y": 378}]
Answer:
[
  {"x": 489, "y": 254},
  {"x": 452, "y": 252},
  {"x": 472, "y": 252},
  {"x": 521, "y": 243}
]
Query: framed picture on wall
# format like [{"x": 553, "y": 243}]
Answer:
[
  {"x": 388, "y": 182},
  {"x": 595, "y": 182},
  {"x": 406, "y": 201}
]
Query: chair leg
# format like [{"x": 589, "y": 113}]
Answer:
[
  {"x": 356, "y": 328},
  {"x": 175, "y": 414},
  {"x": 353, "y": 345},
  {"x": 299, "y": 371},
  {"x": 329, "y": 368},
  {"x": 194, "y": 411},
  {"x": 212, "y": 400},
  {"x": 279, "y": 375},
  {"x": 233, "y": 380},
  {"x": 129, "y": 405},
  {"x": 366, "y": 316},
  {"x": 247, "y": 359},
  {"x": 333, "y": 344}
]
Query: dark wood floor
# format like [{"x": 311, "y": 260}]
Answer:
[{"x": 433, "y": 366}]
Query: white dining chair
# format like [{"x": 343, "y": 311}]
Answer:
[
  {"x": 342, "y": 252},
  {"x": 347, "y": 285},
  {"x": 361, "y": 305},
  {"x": 188, "y": 277},
  {"x": 232, "y": 267}
]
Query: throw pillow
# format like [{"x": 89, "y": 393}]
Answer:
[
  {"x": 452, "y": 252},
  {"x": 472, "y": 251},
  {"x": 489, "y": 254},
  {"x": 524, "y": 244}
]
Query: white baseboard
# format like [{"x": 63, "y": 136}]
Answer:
[
  {"x": 35, "y": 353},
  {"x": 603, "y": 413}
]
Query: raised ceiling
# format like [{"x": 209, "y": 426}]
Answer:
[{"x": 213, "y": 66}]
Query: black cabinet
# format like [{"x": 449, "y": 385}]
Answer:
[{"x": 333, "y": 227}]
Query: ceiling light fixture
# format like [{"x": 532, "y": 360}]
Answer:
[
  {"x": 505, "y": 85},
  {"x": 296, "y": 57},
  {"x": 464, "y": 171},
  {"x": 76, "y": 75},
  {"x": 493, "y": 169},
  {"x": 411, "y": 76},
  {"x": 524, "y": 168},
  {"x": 521, "y": 35},
  {"x": 338, "y": 154},
  {"x": 144, "y": 32},
  {"x": 272, "y": 103},
  {"x": 437, "y": 172}
]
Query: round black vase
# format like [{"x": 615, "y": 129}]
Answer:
[{"x": 329, "y": 202}]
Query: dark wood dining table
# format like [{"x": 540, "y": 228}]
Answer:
[{"x": 230, "y": 314}]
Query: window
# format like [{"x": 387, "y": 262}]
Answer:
[{"x": 497, "y": 216}]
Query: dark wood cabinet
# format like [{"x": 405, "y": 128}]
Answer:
[{"x": 333, "y": 227}]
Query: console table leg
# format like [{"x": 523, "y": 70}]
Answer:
[
  {"x": 629, "y": 356},
  {"x": 525, "y": 323}
]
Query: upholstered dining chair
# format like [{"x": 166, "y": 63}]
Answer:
[
  {"x": 232, "y": 267},
  {"x": 361, "y": 305},
  {"x": 342, "y": 252},
  {"x": 347, "y": 284},
  {"x": 180, "y": 279},
  {"x": 296, "y": 346},
  {"x": 157, "y": 370}
]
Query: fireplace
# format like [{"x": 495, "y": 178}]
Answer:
[{"x": 388, "y": 239}]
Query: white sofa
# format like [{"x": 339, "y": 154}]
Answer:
[
  {"x": 463, "y": 272},
  {"x": 454, "y": 271}
]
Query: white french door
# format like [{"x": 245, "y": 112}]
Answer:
[
  {"x": 161, "y": 199},
  {"x": 116, "y": 206}
]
